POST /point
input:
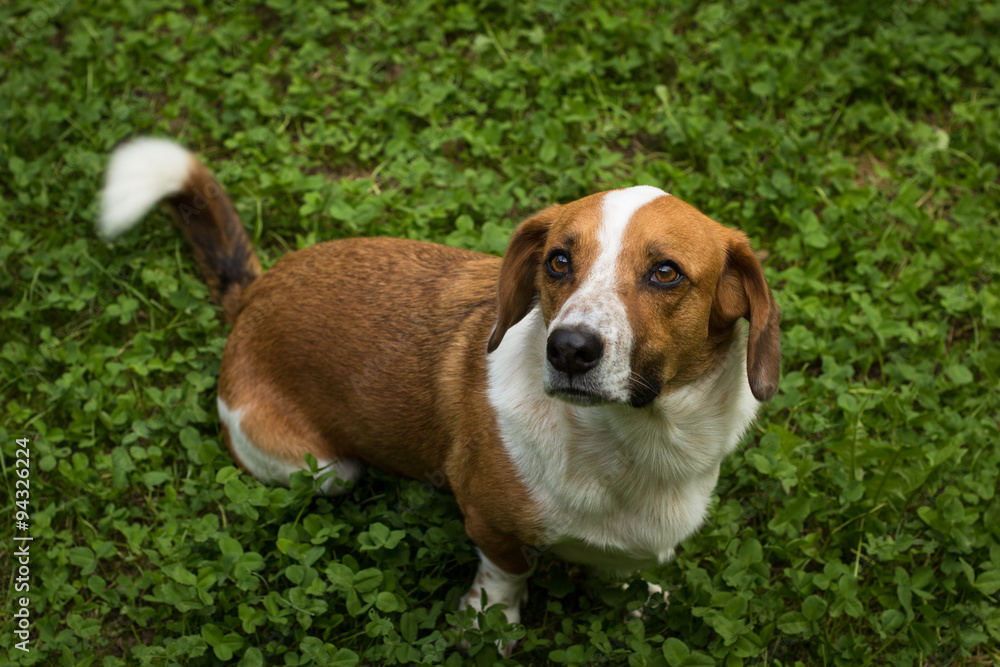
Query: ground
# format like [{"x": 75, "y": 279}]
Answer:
[{"x": 856, "y": 143}]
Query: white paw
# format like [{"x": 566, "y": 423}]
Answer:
[
  {"x": 501, "y": 587},
  {"x": 653, "y": 589}
]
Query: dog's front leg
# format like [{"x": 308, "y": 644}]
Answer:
[
  {"x": 501, "y": 588},
  {"x": 657, "y": 599},
  {"x": 653, "y": 590},
  {"x": 503, "y": 573}
]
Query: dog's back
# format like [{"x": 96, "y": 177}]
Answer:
[
  {"x": 364, "y": 325},
  {"x": 338, "y": 351}
]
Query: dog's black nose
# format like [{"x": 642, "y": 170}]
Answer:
[{"x": 574, "y": 351}]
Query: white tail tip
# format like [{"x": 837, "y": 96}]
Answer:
[{"x": 141, "y": 173}]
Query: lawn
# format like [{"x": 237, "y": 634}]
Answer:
[{"x": 856, "y": 143}]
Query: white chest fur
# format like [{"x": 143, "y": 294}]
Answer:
[{"x": 619, "y": 487}]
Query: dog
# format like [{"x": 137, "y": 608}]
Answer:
[{"x": 577, "y": 396}]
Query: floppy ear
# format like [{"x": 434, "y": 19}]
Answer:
[
  {"x": 743, "y": 292},
  {"x": 516, "y": 286}
]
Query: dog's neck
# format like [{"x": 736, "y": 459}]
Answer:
[{"x": 592, "y": 459}]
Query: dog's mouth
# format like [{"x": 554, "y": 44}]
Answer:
[
  {"x": 584, "y": 389},
  {"x": 572, "y": 392},
  {"x": 577, "y": 395},
  {"x": 639, "y": 396}
]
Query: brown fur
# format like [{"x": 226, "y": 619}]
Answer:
[
  {"x": 743, "y": 292},
  {"x": 518, "y": 282},
  {"x": 674, "y": 343},
  {"x": 680, "y": 333},
  {"x": 219, "y": 243},
  {"x": 375, "y": 349},
  {"x": 577, "y": 233}
]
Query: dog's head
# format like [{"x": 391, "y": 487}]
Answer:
[{"x": 639, "y": 291}]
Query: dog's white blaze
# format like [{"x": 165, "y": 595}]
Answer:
[
  {"x": 596, "y": 304},
  {"x": 618, "y": 207},
  {"x": 268, "y": 468},
  {"x": 618, "y": 487}
]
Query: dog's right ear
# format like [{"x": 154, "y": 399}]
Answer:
[{"x": 519, "y": 271}]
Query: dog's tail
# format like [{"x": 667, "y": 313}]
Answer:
[{"x": 143, "y": 172}]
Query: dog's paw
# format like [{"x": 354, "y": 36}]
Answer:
[
  {"x": 500, "y": 588},
  {"x": 511, "y": 611},
  {"x": 652, "y": 602}
]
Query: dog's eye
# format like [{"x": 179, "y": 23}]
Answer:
[
  {"x": 665, "y": 274},
  {"x": 559, "y": 264}
]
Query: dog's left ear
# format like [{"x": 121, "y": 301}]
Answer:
[
  {"x": 743, "y": 292},
  {"x": 516, "y": 286}
]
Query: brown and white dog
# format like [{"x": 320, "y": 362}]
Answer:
[{"x": 577, "y": 396}]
